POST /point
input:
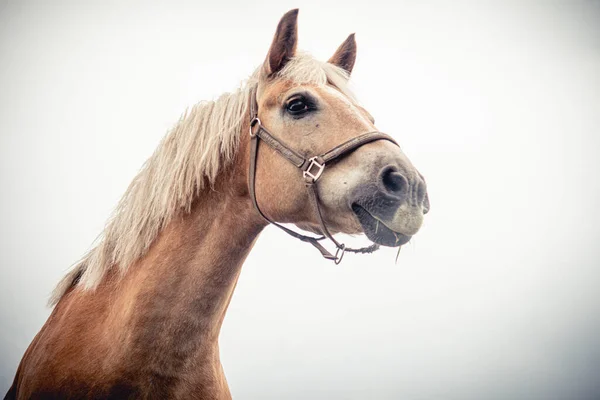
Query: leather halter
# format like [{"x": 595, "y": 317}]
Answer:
[{"x": 312, "y": 168}]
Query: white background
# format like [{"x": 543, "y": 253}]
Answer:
[{"x": 497, "y": 104}]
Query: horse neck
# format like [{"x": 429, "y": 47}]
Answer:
[{"x": 174, "y": 299}]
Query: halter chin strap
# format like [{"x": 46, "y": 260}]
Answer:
[{"x": 312, "y": 169}]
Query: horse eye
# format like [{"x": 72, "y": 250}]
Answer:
[{"x": 297, "y": 107}]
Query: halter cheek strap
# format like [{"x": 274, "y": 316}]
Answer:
[{"x": 312, "y": 169}]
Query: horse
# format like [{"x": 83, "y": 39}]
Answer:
[{"x": 139, "y": 315}]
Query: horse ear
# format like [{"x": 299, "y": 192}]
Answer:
[
  {"x": 345, "y": 55},
  {"x": 284, "y": 43}
]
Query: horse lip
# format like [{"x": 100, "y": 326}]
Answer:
[{"x": 376, "y": 230}]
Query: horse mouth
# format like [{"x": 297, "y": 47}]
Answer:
[{"x": 377, "y": 231}]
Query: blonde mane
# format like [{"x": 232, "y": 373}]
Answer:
[{"x": 191, "y": 155}]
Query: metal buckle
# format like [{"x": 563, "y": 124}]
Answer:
[
  {"x": 313, "y": 163},
  {"x": 339, "y": 259},
  {"x": 255, "y": 122}
]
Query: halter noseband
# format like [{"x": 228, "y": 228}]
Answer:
[{"x": 312, "y": 168}]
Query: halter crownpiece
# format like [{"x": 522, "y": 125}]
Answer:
[{"x": 312, "y": 169}]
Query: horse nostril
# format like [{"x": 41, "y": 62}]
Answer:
[{"x": 394, "y": 182}]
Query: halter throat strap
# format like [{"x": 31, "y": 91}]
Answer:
[{"x": 312, "y": 169}]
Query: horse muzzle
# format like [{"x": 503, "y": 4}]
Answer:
[{"x": 391, "y": 209}]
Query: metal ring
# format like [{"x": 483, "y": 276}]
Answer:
[
  {"x": 255, "y": 122},
  {"x": 339, "y": 259}
]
